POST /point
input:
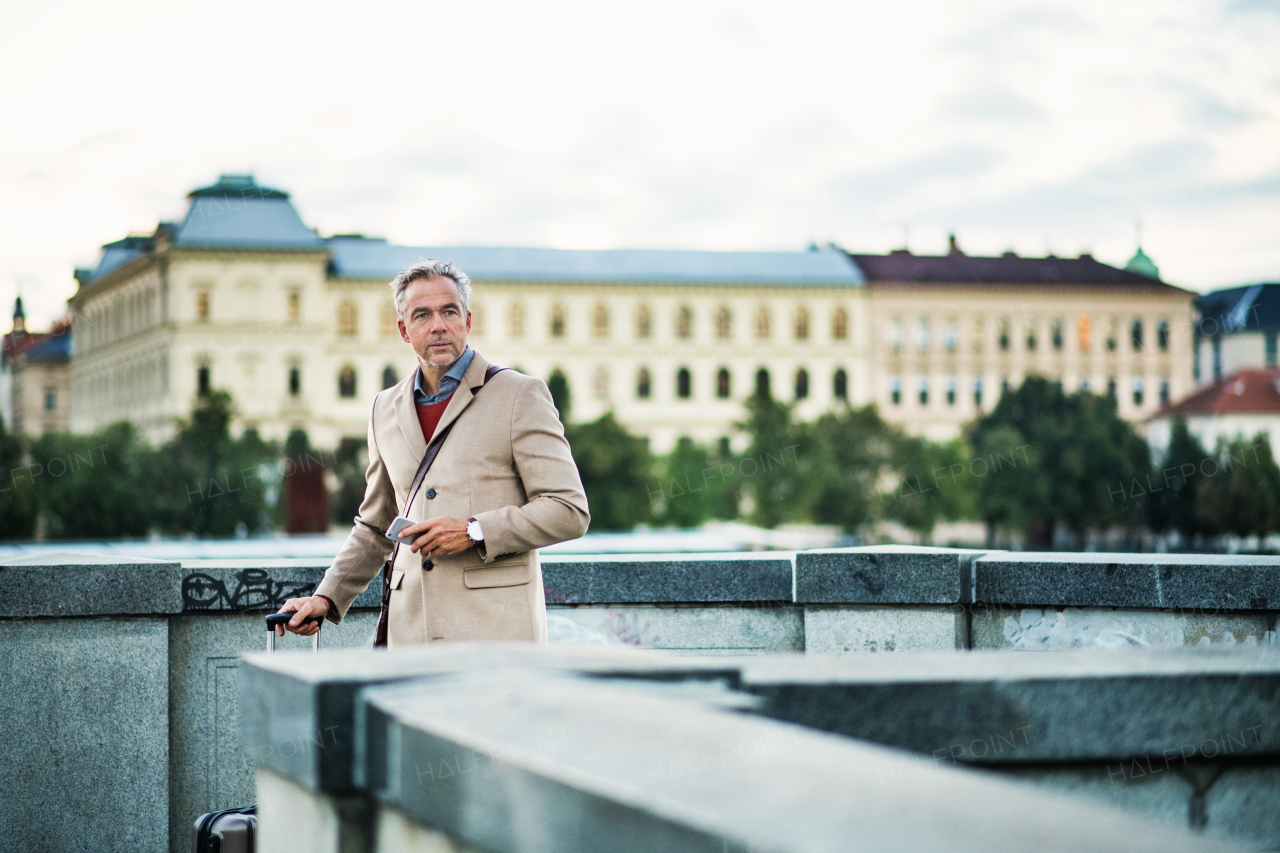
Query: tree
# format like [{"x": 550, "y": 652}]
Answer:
[
  {"x": 1082, "y": 465},
  {"x": 17, "y": 487},
  {"x": 210, "y": 483},
  {"x": 850, "y": 454},
  {"x": 558, "y": 385},
  {"x": 1174, "y": 507},
  {"x": 935, "y": 482},
  {"x": 1240, "y": 494},
  {"x": 696, "y": 485},
  {"x": 349, "y": 463},
  {"x": 94, "y": 485},
  {"x": 616, "y": 469},
  {"x": 774, "y": 463}
]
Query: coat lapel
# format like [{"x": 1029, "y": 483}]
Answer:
[
  {"x": 462, "y": 397},
  {"x": 407, "y": 418}
]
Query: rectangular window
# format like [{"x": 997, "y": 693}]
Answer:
[
  {"x": 1135, "y": 334},
  {"x": 977, "y": 392},
  {"x": 979, "y": 333},
  {"x": 895, "y": 391},
  {"x": 1033, "y": 330},
  {"x": 202, "y": 306},
  {"x": 1271, "y": 349},
  {"x": 1113, "y": 326},
  {"x": 1111, "y": 388},
  {"x": 924, "y": 335},
  {"x": 295, "y": 305},
  {"x": 895, "y": 334},
  {"x": 1084, "y": 386},
  {"x": 923, "y": 384},
  {"x": 51, "y": 399},
  {"x": 1003, "y": 333},
  {"x": 1138, "y": 389},
  {"x": 951, "y": 390},
  {"x": 1056, "y": 333},
  {"x": 1162, "y": 335},
  {"x": 951, "y": 334},
  {"x": 1164, "y": 393},
  {"x": 1217, "y": 359},
  {"x": 1083, "y": 332}
]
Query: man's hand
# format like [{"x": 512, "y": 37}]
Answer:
[
  {"x": 305, "y": 608},
  {"x": 441, "y": 537}
]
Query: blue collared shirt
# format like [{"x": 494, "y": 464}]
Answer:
[{"x": 448, "y": 383}]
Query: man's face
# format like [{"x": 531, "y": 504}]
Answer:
[{"x": 435, "y": 323}]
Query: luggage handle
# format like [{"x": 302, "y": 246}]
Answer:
[{"x": 280, "y": 618}]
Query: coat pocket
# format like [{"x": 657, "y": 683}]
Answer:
[
  {"x": 397, "y": 578},
  {"x": 512, "y": 571}
]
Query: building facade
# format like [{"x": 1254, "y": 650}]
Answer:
[
  {"x": 1243, "y": 405},
  {"x": 952, "y": 332},
  {"x": 301, "y": 331},
  {"x": 35, "y": 378},
  {"x": 1236, "y": 328}
]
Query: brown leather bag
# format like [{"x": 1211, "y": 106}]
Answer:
[{"x": 433, "y": 450}]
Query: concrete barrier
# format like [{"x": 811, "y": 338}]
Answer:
[{"x": 127, "y": 670}]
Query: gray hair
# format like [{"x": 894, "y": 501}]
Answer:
[{"x": 427, "y": 268}]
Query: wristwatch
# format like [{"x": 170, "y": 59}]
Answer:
[{"x": 474, "y": 533}]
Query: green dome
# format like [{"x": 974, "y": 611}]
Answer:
[{"x": 1143, "y": 265}]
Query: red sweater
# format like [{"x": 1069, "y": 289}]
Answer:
[{"x": 429, "y": 416}]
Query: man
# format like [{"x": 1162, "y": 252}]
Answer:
[{"x": 504, "y": 484}]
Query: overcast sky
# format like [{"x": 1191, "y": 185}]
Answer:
[{"x": 1029, "y": 126}]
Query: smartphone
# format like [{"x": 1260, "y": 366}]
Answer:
[{"x": 393, "y": 532}]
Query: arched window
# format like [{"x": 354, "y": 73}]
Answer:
[
  {"x": 347, "y": 381},
  {"x": 840, "y": 325},
  {"x": 1135, "y": 336},
  {"x": 515, "y": 320},
  {"x": 840, "y": 385},
  {"x": 390, "y": 321},
  {"x": 802, "y": 384},
  {"x": 346, "y": 317},
  {"x": 723, "y": 388},
  {"x": 762, "y": 383},
  {"x": 802, "y": 324},
  {"x": 762, "y": 322},
  {"x": 295, "y": 381},
  {"x": 644, "y": 387},
  {"x": 601, "y": 322},
  {"x": 202, "y": 380},
  {"x": 684, "y": 322},
  {"x": 557, "y": 321},
  {"x": 724, "y": 323},
  {"x": 644, "y": 322},
  {"x": 684, "y": 384},
  {"x": 389, "y": 377}
]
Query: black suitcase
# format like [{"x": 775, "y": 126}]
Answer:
[{"x": 236, "y": 830}]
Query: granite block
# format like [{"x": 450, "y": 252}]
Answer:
[
  {"x": 527, "y": 762},
  {"x": 767, "y": 627},
  {"x": 1241, "y": 802},
  {"x": 80, "y": 585},
  {"x": 293, "y": 818},
  {"x": 84, "y": 740},
  {"x": 652, "y": 578},
  {"x": 209, "y": 765},
  {"x": 997, "y": 708},
  {"x": 1157, "y": 581},
  {"x": 896, "y": 574},
  {"x": 295, "y": 698},
  {"x": 1037, "y": 629},
  {"x": 854, "y": 629}
]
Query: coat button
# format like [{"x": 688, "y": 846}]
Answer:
[
  {"x": 431, "y": 493},
  {"x": 427, "y": 565}
]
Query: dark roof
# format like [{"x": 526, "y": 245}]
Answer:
[
  {"x": 1009, "y": 268},
  {"x": 119, "y": 253},
  {"x": 1254, "y": 390},
  {"x": 238, "y": 213},
  {"x": 1240, "y": 309},
  {"x": 51, "y": 348},
  {"x": 237, "y": 186},
  {"x": 362, "y": 257}
]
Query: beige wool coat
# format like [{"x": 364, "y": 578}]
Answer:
[{"x": 507, "y": 464}]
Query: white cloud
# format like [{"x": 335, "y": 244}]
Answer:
[{"x": 682, "y": 124}]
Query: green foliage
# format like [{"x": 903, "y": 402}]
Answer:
[
  {"x": 558, "y": 385},
  {"x": 17, "y": 489},
  {"x": 696, "y": 485},
  {"x": 1174, "y": 506},
  {"x": 615, "y": 467},
  {"x": 1084, "y": 466},
  {"x": 936, "y": 481},
  {"x": 211, "y": 484},
  {"x": 849, "y": 454},
  {"x": 1240, "y": 494},
  {"x": 778, "y": 491},
  {"x": 94, "y": 486},
  {"x": 349, "y": 464}
]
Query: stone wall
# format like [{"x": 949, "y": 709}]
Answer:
[{"x": 124, "y": 674}]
